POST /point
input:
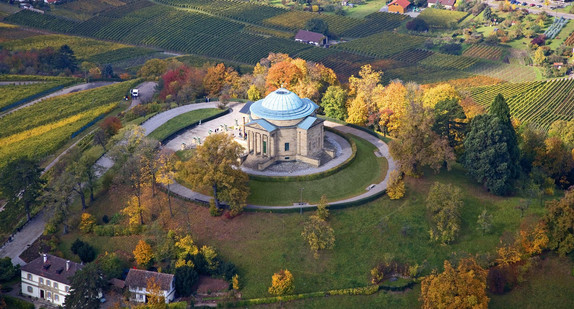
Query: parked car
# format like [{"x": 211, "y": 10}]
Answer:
[
  {"x": 524, "y": 3},
  {"x": 532, "y": 4},
  {"x": 135, "y": 93}
]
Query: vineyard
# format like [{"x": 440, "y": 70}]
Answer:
[
  {"x": 470, "y": 82},
  {"x": 437, "y": 18},
  {"x": 382, "y": 44},
  {"x": 174, "y": 30},
  {"x": 297, "y": 20},
  {"x": 449, "y": 61},
  {"x": 556, "y": 27},
  {"x": 375, "y": 22},
  {"x": 493, "y": 53},
  {"x": 14, "y": 95},
  {"x": 83, "y": 48},
  {"x": 116, "y": 55},
  {"x": 539, "y": 103},
  {"x": 422, "y": 74},
  {"x": 570, "y": 40},
  {"x": 508, "y": 72},
  {"x": 30, "y": 135},
  {"x": 412, "y": 56}
]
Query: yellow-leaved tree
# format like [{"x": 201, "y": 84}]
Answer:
[
  {"x": 463, "y": 287},
  {"x": 282, "y": 283},
  {"x": 396, "y": 186},
  {"x": 88, "y": 222},
  {"x": 186, "y": 249},
  {"x": 439, "y": 93},
  {"x": 155, "y": 298},
  {"x": 143, "y": 253}
]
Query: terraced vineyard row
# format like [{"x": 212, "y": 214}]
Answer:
[
  {"x": 508, "y": 72},
  {"x": 570, "y": 40},
  {"x": 382, "y": 44},
  {"x": 484, "y": 51},
  {"x": 437, "y": 18},
  {"x": 375, "y": 22},
  {"x": 539, "y": 103},
  {"x": 171, "y": 29},
  {"x": 452, "y": 62},
  {"x": 412, "y": 56},
  {"x": 13, "y": 95}
]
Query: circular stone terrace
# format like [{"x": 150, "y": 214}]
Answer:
[{"x": 230, "y": 123}]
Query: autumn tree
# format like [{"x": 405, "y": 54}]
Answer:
[
  {"x": 319, "y": 234},
  {"x": 448, "y": 121},
  {"x": 152, "y": 69},
  {"x": 334, "y": 102},
  {"x": 533, "y": 237},
  {"x": 463, "y": 287},
  {"x": 217, "y": 77},
  {"x": 444, "y": 202},
  {"x": 396, "y": 185},
  {"x": 166, "y": 174},
  {"x": 186, "y": 250},
  {"x": 365, "y": 91},
  {"x": 143, "y": 253},
  {"x": 417, "y": 145},
  {"x": 154, "y": 297},
  {"x": 282, "y": 283},
  {"x": 393, "y": 103},
  {"x": 87, "y": 223},
  {"x": 322, "y": 211},
  {"x": 20, "y": 183},
  {"x": 440, "y": 93},
  {"x": 555, "y": 160},
  {"x": 559, "y": 220},
  {"x": 215, "y": 163},
  {"x": 563, "y": 130}
]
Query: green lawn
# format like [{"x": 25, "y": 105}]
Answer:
[
  {"x": 181, "y": 121},
  {"x": 360, "y": 11},
  {"x": 366, "y": 169}
]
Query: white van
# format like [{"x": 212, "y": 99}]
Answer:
[{"x": 135, "y": 93}]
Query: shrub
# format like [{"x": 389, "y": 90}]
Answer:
[
  {"x": 417, "y": 24},
  {"x": 7, "y": 269},
  {"x": 396, "y": 186},
  {"x": 87, "y": 253},
  {"x": 88, "y": 222},
  {"x": 105, "y": 219},
  {"x": 452, "y": 48},
  {"x": 539, "y": 40},
  {"x": 213, "y": 210},
  {"x": 185, "y": 278}
]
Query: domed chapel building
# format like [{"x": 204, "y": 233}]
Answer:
[{"x": 283, "y": 127}]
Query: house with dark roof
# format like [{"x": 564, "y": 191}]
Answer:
[
  {"x": 399, "y": 6},
  {"x": 448, "y": 4},
  {"x": 310, "y": 37},
  {"x": 137, "y": 282},
  {"x": 48, "y": 277}
]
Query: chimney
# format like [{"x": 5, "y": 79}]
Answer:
[
  {"x": 45, "y": 257},
  {"x": 67, "y": 265}
]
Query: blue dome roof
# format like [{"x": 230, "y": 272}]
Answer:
[{"x": 283, "y": 104}]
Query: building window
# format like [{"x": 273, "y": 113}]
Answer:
[
  {"x": 286, "y": 146},
  {"x": 29, "y": 276},
  {"x": 49, "y": 295},
  {"x": 41, "y": 280},
  {"x": 67, "y": 288},
  {"x": 55, "y": 285},
  {"x": 30, "y": 289},
  {"x": 56, "y": 297},
  {"x": 48, "y": 282},
  {"x": 264, "y": 147}
]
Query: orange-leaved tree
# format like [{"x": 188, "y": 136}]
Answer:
[
  {"x": 463, "y": 287},
  {"x": 143, "y": 253}
]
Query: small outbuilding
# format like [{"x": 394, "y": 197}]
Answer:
[
  {"x": 399, "y": 6},
  {"x": 310, "y": 37},
  {"x": 137, "y": 281},
  {"x": 448, "y": 4}
]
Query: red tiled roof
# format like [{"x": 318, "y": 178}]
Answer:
[
  {"x": 403, "y": 3},
  {"x": 309, "y": 36},
  {"x": 54, "y": 268}
]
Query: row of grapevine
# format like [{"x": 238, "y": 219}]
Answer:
[
  {"x": 60, "y": 107},
  {"x": 116, "y": 55},
  {"x": 556, "y": 27},
  {"x": 412, "y": 56},
  {"x": 449, "y": 61},
  {"x": 484, "y": 51},
  {"x": 382, "y": 44},
  {"x": 422, "y": 74},
  {"x": 508, "y": 72},
  {"x": 437, "y": 18},
  {"x": 375, "y": 22},
  {"x": 297, "y": 20},
  {"x": 570, "y": 40},
  {"x": 12, "y": 95},
  {"x": 539, "y": 103},
  {"x": 190, "y": 32}
]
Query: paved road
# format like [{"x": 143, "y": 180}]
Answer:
[
  {"x": 536, "y": 10},
  {"x": 71, "y": 89}
]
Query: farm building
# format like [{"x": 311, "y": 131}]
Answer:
[
  {"x": 137, "y": 282},
  {"x": 399, "y": 6},
  {"x": 448, "y": 4},
  {"x": 283, "y": 127},
  {"x": 310, "y": 37}
]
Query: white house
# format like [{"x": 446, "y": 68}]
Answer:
[
  {"x": 137, "y": 281},
  {"x": 48, "y": 278}
]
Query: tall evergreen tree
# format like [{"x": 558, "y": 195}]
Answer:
[
  {"x": 85, "y": 289},
  {"x": 487, "y": 157},
  {"x": 500, "y": 109},
  {"x": 447, "y": 115},
  {"x": 66, "y": 59},
  {"x": 21, "y": 184}
]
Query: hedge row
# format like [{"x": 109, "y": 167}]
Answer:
[
  {"x": 117, "y": 230},
  {"x": 315, "y": 176},
  {"x": 368, "y": 290},
  {"x": 370, "y": 132}
]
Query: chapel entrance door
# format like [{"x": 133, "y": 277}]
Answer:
[{"x": 42, "y": 294}]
